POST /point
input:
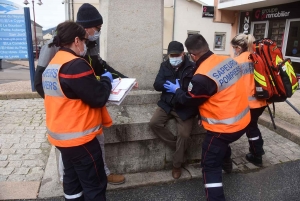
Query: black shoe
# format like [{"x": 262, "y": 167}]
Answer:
[
  {"x": 227, "y": 165},
  {"x": 256, "y": 160},
  {"x": 262, "y": 152}
]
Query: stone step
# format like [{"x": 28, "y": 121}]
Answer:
[{"x": 130, "y": 144}]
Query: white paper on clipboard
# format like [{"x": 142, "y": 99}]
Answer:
[{"x": 121, "y": 90}]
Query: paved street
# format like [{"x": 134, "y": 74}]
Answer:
[
  {"x": 13, "y": 72},
  {"x": 24, "y": 149},
  {"x": 275, "y": 183}
]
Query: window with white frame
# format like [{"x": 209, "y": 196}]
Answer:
[{"x": 219, "y": 41}]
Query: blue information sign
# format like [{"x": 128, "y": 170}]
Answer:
[{"x": 13, "y": 43}]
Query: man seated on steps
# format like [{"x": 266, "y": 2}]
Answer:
[
  {"x": 177, "y": 69},
  {"x": 91, "y": 20}
]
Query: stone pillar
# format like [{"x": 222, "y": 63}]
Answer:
[{"x": 132, "y": 38}]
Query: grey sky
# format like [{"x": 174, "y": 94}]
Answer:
[{"x": 48, "y": 15}]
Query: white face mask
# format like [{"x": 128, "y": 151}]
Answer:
[
  {"x": 82, "y": 53},
  {"x": 175, "y": 61},
  {"x": 236, "y": 53},
  {"x": 95, "y": 36}
]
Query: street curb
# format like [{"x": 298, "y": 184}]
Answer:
[
  {"x": 285, "y": 129},
  {"x": 19, "y": 95}
]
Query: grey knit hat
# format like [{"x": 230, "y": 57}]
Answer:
[{"x": 88, "y": 16}]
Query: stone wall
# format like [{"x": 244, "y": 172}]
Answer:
[{"x": 132, "y": 37}]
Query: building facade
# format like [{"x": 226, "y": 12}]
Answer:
[
  {"x": 274, "y": 19},
  {"x": 183, "y": 18},
  {"x": 39, "y": 33}
]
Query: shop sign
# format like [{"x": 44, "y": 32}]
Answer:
[
  {"x": 208, "y": 11},
  {"x": 245, "y": 20},
  {"x": 283, "y": 11}
]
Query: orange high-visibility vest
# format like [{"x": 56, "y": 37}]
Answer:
[
  {"x": 247, "y": 69},
  {"x": 227, "y": 111},
  {"x": 70, "y": 122}
]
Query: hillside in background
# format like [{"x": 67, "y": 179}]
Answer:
[{"x": 51, "y": 30}]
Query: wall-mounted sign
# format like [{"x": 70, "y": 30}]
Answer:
[
  {"x": 208, "y": 11},
  {"x": 13, "y": 43},
  {"x": 278, "y": 12},
  {"x": 245, "y": 20}
]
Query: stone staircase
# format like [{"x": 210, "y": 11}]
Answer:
[{"x": 130, "y": 145}]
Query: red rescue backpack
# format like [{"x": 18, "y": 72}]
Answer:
[{"x": 275, "y": 78}]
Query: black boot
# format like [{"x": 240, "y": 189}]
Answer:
[
  {"x": 227, "y": 165},
  {"x": 255, "y": 159}
]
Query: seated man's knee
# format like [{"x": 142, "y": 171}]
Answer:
[{"x": 154, "y": 123}]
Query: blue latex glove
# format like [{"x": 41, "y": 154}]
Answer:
[
  {"x": 109, "y": 75},
  {"x": 170, "y": 87}
]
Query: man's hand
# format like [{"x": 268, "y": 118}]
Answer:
[
  {"x": 109, "y": 75},
  {"x": 170, "y": 87}
]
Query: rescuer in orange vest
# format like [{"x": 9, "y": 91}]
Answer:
[
  {"x": 89, "y": 17},
  {"x": 242, "y": 46},
  {"x": 76, "y": 113},
  {"x": 217, "y": 89}
]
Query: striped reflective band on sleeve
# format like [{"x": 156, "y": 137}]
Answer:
[
  {"x": 73, "y": 135},
  {"x": 225, "y": 73},
  {"x": 247, "y": 68},
  {"x": 254, "y": 138},
  {"x": 228, "y": 121},
  {"x": 74, "y": 196},
  {"x": 213, "y": 185}
]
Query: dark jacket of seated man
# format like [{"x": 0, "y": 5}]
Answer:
[{"x": 167, "y": 100}]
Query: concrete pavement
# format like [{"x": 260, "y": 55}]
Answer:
[
  {"x": 28, "y": 165},
  {"x": 25, "y": 154},
  {"x": 274, "y": 183}
]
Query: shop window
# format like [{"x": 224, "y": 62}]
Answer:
[
  {"x": 219, "y": 43},
  {"x": 276, "y": 31},
  {"x": 259, "y": 31},
  {"x": 292, "y": 45},
  {"x": 190, "y": 33}
]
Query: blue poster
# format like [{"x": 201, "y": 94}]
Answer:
[{"x": 13, "y": 44}]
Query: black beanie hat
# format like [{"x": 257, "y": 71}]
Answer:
[{"x": 88, "y": 16}]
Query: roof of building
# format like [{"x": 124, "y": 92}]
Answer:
[{"x": 36, "y": 24}]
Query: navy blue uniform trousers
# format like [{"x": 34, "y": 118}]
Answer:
[
  {"x": 84, "y": 174},
  {"x": 215, "y": 148},
  {"x": 253, "y": 133}
]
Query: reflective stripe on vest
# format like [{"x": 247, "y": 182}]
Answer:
[
  {"x": 247, "y": 68},
  {"x": 70, "y": 136},
  {"x": 252, "y": 98},
  {"x": 225, "y": 74},
  {"x": 228, "y": 121},
  {"x": 51, "y": 81}
]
